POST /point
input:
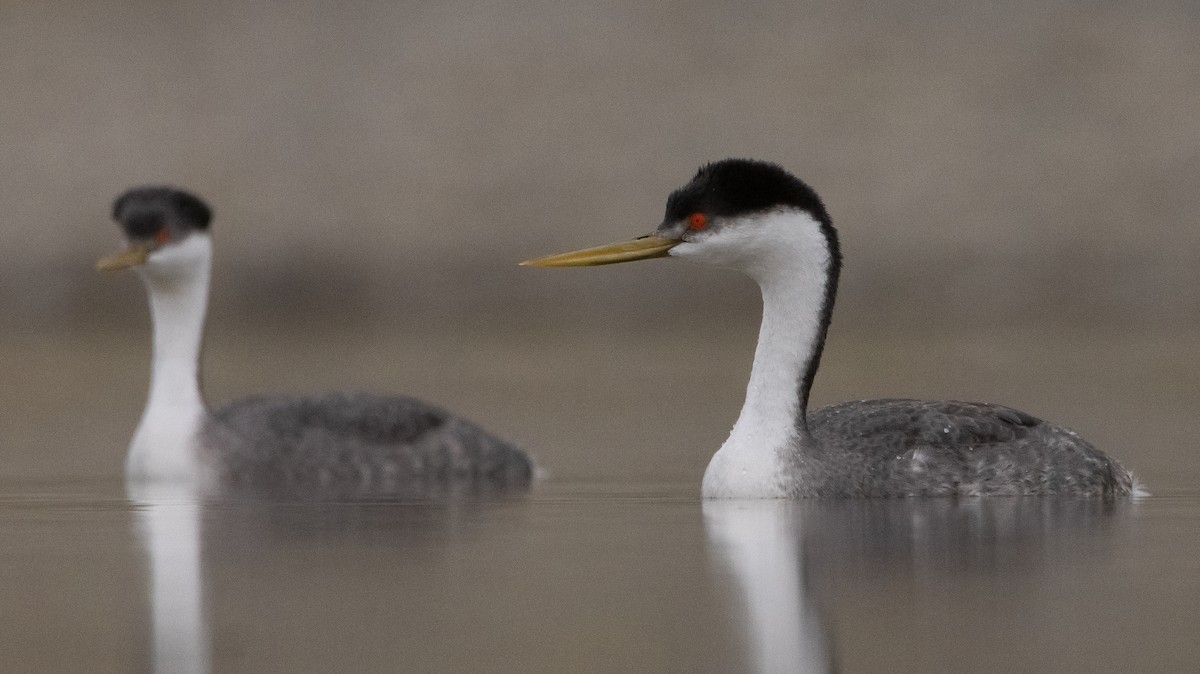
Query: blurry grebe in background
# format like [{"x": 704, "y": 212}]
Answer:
[{"x": 348, "y": 441}]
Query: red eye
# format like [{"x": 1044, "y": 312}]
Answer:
[
  {"x": 697, "y": 221},
  {"x": 162, "y": 237}
]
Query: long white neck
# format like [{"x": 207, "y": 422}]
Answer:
[
  {"x": 164, "y": 445},
  {"x": 790, "y": 257}
]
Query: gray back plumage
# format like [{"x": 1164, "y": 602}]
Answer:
[
  {"x": 356, "y": 443},
  {"x": 896, "y": 448}
]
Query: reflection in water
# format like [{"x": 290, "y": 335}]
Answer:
[
  {"x": 169, "y": 531},
  {"x": 788, "y": 556},
  {"x": 757, "y": 541},
  {"x": 176, "y": 523},
  {"x": 932, "y": 539}
]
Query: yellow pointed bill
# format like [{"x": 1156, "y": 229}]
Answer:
[
  {"x": 133, "y": 256},
  {"x": 641, "y": 248}
]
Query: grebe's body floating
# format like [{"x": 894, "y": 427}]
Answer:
[
  {"x": 354, "y": 442},
  {"x": 757, "y": 218}
]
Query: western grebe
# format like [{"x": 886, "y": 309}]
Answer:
[
  {"x": 759, "y": 219},
  {"x": 348, "y": 441}
]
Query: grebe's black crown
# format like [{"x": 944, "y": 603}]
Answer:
[
  {"x": 144, "y": 211},
  {"x": 736, "y": 187}
]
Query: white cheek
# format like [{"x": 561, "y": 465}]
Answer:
[
  {"x": 188, "y": 254},
  {"x": 762, "y": 245},
  {"x": 726, "y": 248}
]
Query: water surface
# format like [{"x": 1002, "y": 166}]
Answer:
[
  {"x": 593, "y": 577},
  {"x": 612, "y": 563}
]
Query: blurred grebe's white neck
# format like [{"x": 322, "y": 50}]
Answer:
[
  {"x": 791, "y": 258},
  {"x": 176, "y": 279}
]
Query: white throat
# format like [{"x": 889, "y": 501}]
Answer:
[
  {"x": 164, "y": 445},
  {"x": 789, "y": 256}
]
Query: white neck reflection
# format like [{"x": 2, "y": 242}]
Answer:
[
  {"x": 757, "y": 542},
  {"x": 169, "y": 531}
]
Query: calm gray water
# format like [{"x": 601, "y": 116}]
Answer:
[
  {"x": 611, "y": 563},
  {"x": 593, "y": 577}
]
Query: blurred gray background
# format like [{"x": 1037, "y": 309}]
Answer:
[{"x": 1015, "y": 185}]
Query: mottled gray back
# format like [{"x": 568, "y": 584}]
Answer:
[
  {"x": 943, "y": 448},
  {"x": 358, "y": 442}
]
